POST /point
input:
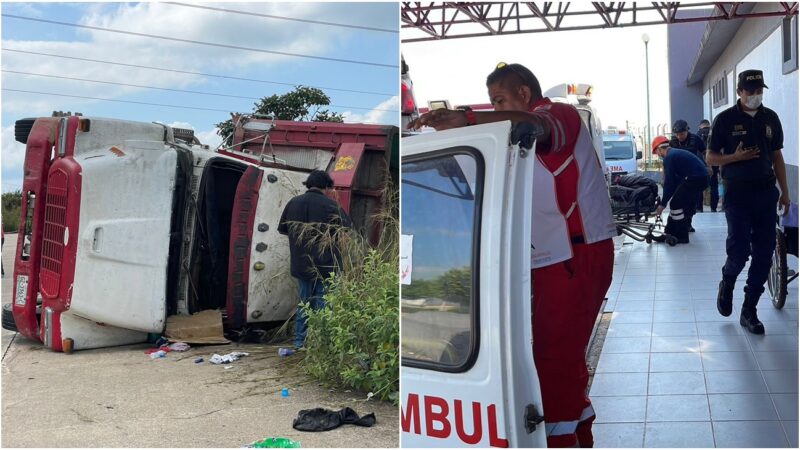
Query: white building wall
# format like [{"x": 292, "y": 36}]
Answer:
[
  {"x": 781, "y": 96},
  {"x": 758, "y": 45}
]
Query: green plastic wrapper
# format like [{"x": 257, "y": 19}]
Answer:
[{"x": 274, "y": 442}]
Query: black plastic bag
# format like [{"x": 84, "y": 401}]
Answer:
[{"x": 320, "y": 419}]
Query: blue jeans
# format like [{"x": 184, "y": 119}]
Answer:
[{"x": 311, "y": 293}]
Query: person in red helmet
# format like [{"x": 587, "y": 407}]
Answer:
[
  {"x": 685, "y": 175},
  {"x": 572, "y": 256}
]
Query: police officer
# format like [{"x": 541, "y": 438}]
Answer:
[
  {"x": 683, "y": 139},
  {"x": 746, "y": 142},
  {"x": 704, "y": 130}
]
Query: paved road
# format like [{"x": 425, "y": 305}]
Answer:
[{"x": 119, "y": 397}]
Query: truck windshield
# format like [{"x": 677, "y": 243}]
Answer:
[{"x": 617, "y": 150}]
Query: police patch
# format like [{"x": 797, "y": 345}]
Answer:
[{"x": 769, "y": 132}]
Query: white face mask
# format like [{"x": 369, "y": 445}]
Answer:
[{"x": 753, "y": 101}]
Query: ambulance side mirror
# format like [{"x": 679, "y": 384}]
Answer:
[{"x": 638, "y": 154}]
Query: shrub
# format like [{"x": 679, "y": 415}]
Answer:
[
  {"x": 354, "y": 341},
  {"x": 11, "y": 202}
]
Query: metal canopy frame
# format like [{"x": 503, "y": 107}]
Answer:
[{"x": 454, "y": 20}]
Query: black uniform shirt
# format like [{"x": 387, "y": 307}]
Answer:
[
  {"x": 763, "y": 131},
  {"x": 693, "y": 144},
  {"x": 309, "y": 253}
]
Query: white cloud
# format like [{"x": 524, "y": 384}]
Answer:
[
  {"x": 210, "y": 138},
  {"x": 378, "y": 114},
  {"x": 184, "y": 23},
  {"x": 13, "y": 159}
]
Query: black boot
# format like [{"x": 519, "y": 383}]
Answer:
[
  {"x": 725, "y": 298},
  {"x": 749, "y": 320}
]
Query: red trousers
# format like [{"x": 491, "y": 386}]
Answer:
[{"x": 566, "y": 301}]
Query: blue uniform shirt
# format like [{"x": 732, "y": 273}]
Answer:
[{"x": 678, "y": 165}]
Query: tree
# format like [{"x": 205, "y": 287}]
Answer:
[{"x": 303, "y": 104}]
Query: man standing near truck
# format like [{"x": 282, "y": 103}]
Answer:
[
  {"x": 573, "y": 224},
  {"x": 310, "y": 220}
]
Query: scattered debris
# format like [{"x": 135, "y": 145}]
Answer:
[
  {"x": 227, "y": 359},
  {"x": 179, "y": 347},
  {"x": 228, "y": 367},
  {"x": 275, "y": 443},
  {"x": 283, "y": 351},
  {"x": 158, "y": 354},
  {"x": 285, "y": 392},
  {"x": 198, "y": 360},
  {"x": 204, "y": 327}
]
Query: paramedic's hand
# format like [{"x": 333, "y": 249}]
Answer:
[
  {"x": 659, "y": 210},
  {"x": 743, "y": 154},
  {"x": 440, "y": 119}
]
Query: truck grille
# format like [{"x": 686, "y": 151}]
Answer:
[{"x": 53, "y": 234}]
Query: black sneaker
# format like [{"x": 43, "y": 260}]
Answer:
[
  {"x": 749, "y": 320},
  {"x": 725, "y": 298},
  {"x": 691, "y": 229}
]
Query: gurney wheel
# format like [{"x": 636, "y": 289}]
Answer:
[
  {"x": 648, "y": 238},
  {"x": 672, "y": 241}
]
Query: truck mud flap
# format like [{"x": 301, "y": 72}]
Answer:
[{"x": 242, "y": 222}]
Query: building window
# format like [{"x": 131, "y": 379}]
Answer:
[
  {"x": 441, "y": 214},
  {"x": 719, "y": 92},
  {"x": 789, "y": 32}
]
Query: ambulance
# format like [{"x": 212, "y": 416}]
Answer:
[
  {"x": 125, "y": 224},
  {"x": 621, "y": 152},
  {"x": 468, "y": 374}
]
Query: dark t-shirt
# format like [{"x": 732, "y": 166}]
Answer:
[
  {"x": 763, "y": 131},
  {"x": 693, "y": 143},
  {"x": 309, "y": 253}
]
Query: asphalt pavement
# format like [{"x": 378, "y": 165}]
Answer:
[{"x": 119, "y": 397}]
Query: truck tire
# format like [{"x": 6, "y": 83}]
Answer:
[
  {"x": 22, "y": 129},
  {"x": 8, "y": 318}
]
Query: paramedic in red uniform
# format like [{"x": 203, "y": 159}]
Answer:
[{"x": 572, "y": 254}]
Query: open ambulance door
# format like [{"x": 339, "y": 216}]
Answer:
[{"x": 468, "y": 375}]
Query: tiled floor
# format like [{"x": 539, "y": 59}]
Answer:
[{"x": 674, "y": 372}]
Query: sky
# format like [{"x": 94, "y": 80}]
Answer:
[
  {"x": 612, "y": 60},
  {"x": 373, "y": 66}
]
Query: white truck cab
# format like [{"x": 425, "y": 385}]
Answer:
[
  {"x": 468, "y": 373},
  {"x": 621, "y": 152}
]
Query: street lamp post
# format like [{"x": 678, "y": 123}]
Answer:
[{"x": 646, "y": 39}]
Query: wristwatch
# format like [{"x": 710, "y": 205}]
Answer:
[{"x": 471, "y": 120}]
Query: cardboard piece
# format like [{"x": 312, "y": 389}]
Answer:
[{"x": 204, "y": 327}]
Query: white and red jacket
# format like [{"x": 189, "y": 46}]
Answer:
[{"x": 570, "y": 202}]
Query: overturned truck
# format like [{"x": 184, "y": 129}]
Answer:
[{"x": 125, "y": 223}]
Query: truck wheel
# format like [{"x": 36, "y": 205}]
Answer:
[
  {"x": 22, "y": 129},
  {"x": 8, "y": 318}
]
